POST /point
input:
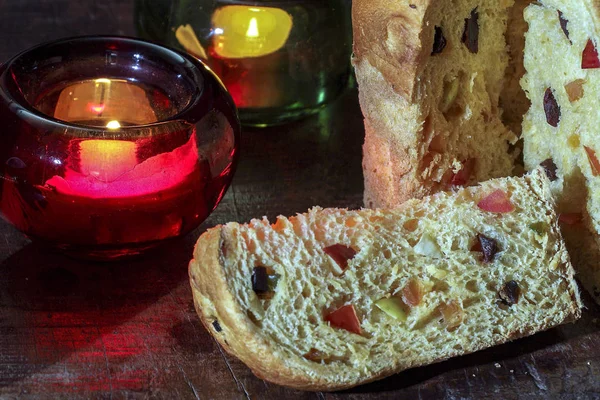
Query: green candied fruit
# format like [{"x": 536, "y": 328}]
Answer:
[
  {"x": 539, "y": 227},
  {"x": 393, "y": 307},
  {"x": 272, "y": 280}
]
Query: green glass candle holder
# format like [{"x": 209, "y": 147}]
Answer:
[{"x": 280, "y": 60}]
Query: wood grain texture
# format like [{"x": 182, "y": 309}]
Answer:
[{"x": 128, "y": 330}]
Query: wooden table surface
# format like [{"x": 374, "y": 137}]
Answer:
[{"x": 70, "y": 329}]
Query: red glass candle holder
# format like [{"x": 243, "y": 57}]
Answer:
[{"x": 111, "y": 145}]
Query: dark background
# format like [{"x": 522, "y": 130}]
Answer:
[{"x": 128, "y": 330}]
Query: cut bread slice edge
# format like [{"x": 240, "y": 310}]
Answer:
[{"x": 231, "y": 310}]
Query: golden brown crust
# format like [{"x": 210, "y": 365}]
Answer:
[
  {"x": 238, "y": 336},
  {"x": 387, "y": 34},
  {"x": 389, "y": 57}
]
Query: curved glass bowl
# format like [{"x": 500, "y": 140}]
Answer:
[{"x": 111, "y": 145}]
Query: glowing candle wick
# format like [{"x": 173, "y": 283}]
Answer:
[{"x": 252, "y": 28}]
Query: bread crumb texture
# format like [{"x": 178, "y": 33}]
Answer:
[
  {"x": 421, "y": 285},
  {"x": 562, "y": 82}
]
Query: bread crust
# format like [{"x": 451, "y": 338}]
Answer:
[
  {"x": 239, "y": 337},
  {"x": 388, "y": 35},
  {"x": 388, "y": 58}
]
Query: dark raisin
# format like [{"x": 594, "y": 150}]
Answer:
[
  {"x": 563, "y": 25},
  {"x": 217, "y": 326},
  {"x": 550, "y": 169},
  {"x": 551, "y": 108},
  {"x": 471, "y": 33},
  {"x": 260, "y": 280},
  {"x": 489, "y": 248},
  {"x": 509, "y": 293},
  {"x": 439, "y": 41},
  {"x": 413, "y": 6}
]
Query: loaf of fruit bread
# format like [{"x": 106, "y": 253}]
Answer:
[
  {"x": 430, "y": 75},
  {"x": 335, "y": 298},
  {"x": 561, "y": 129}
]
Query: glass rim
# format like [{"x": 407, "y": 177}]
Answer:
[{"x": 196, "y": 66}]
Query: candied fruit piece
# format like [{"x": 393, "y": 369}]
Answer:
[
  {"x": 539, "y": 227},
  {"x": 549, "y": 169},
  {"x": 509, "y": 293},
  {"x": 341, "y": 254},
  {"x": 344, "y": 318},
  {"x": 393, "y": 307},
  {"x": 450, "y": 93},
  {"x": 427, "y": 246},
  {"x": 573, "y": 141},
  {"x": 563, "y": 25},
  {"x": 315, "y": 355},
  {"x": 496, "y": 202},
  {"x": 439, "y": 41},
  {"x": 412, "y": 293},
  {"x": 551, "y": 108},
  {"x": 575, "y": 90},
  {"x": 462, "y": 176},
  {"x": 487, "y": 246},
  {"x": 264, "y": 282},
  {"x": 411, "y": 225},
  {"x": 594, "y": 163},
  {"x": 470, "y": 35},
  {"x": 589, "y": 58},
  {"x": 260, "y": 280},
  {"x": 453, "y": 314}
]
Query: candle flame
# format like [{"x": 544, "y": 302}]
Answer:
[
  {"x": 114, "y": 124},
  {"x": 253, "y": 28},
  {"x": 249, "y": 31}
]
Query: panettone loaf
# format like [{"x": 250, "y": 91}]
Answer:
[
  {"x": 430, "y": 75},
  {"x": 334, "y": 298},
  {"x": 561, "y": 128}
]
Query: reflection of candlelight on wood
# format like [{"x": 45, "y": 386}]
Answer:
[{"x": 111, "y": 169}]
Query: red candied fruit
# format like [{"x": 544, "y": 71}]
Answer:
[
  {"x": 345, "y": 318},
  {"x": 496, "y": 202},
  {"x": 462, "y": 177},
  {"x": 341, "y": 254},
  {"x": 594, "y": 163},
  {"x": 589, "y": 58}
]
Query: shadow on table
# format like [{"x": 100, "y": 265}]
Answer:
[{"x": 53, "y": 307}]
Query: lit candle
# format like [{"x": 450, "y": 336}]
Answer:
[
  {"x": 245, "y": 32},
  {"x": 105, "y": 168}
]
